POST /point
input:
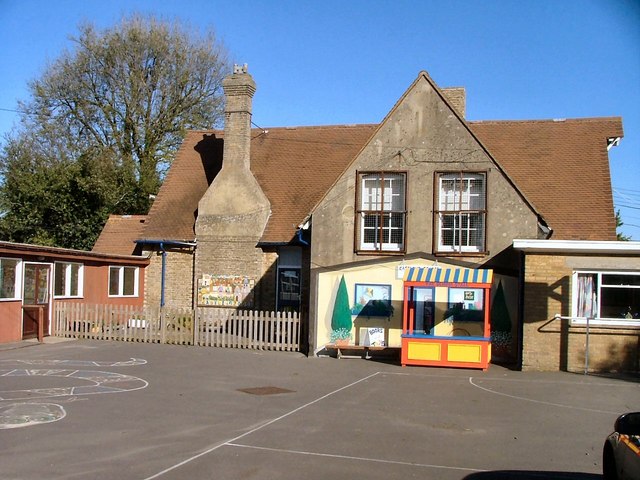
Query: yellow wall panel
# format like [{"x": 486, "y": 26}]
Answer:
[
  {"x": 464, "y": 353},
  {"x": 424, "y": 351}
]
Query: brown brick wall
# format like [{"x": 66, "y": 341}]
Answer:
[
  {"x": 553, "y": 344},
  {"x": 178, "y": 279}
]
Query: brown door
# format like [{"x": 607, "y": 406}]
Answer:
[{"x": 35, "y": 303}]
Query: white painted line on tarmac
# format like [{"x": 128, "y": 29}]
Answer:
[
  {"x": 361, "y": 459},
  {"x": 542, "y": 402},
  {"x": 270, "y": 422},
  {"x": 80, "y": 363},
  {"x": 619, "y": 384}
]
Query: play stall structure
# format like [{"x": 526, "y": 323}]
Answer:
[{"x": 446, "y": 317}]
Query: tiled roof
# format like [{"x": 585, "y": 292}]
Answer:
[
  {"x": 173, "y": 213},
  {"x": 294, "y": 166},
  {"x": 119, "y": 234},
  {"x": 562, "y": 168}
]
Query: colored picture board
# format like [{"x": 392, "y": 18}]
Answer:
[
  {"x": 372, "y": 300},
  {"x": 225, "y": 290}
]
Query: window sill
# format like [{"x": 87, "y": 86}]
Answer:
[
  {"x": 380, "y": 252},
  {"x": 604, "y": 323},
  {"x": 461, "y": 254}
]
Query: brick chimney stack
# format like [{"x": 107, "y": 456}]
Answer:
[
  {"x": 234, "y": 211},
  {"x": 238, "y": 89},
  {"x": 457, "y": 98}
]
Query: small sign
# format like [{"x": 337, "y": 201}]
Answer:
[{"x": 372, "y": 337}]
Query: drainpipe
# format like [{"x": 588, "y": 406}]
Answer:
[
  {"x": 161, "y": 244},
  {"x": 303, "y": 226},
  {"x": 300, "y": 239}
]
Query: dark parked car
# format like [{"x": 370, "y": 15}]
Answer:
[{"x": 621, "y": 453}]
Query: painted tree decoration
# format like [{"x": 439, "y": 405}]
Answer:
[
  {"x": 341, "y": 323},
  {"x": 500, "y": 324},
  {"x": 500, "y": 319}
]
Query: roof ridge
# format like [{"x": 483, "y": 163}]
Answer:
[{"x": 547, "y": 120}]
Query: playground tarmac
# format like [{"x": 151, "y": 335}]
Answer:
[{"x": 104, "y": 410}]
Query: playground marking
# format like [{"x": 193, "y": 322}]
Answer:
[
  {"x": 542, "y": 402},
  {"x": 349, "y": 457},
  {"x": 260, "y": 427},
  {"x": 17, "y": 415},
  {"x": 103, "y": 382},
  {"x": 31, "y": 412},
  {"x": 79, "y": 363}
]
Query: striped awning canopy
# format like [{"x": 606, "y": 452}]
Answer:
[{"x": 448, "y": 275}]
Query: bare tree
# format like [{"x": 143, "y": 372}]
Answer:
[{"x": 124, "y": 96}]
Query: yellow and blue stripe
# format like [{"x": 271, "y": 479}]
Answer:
[{"x": 448, "y": 275}]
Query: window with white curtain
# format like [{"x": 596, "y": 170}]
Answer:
[{"x": 606, "y": 298}]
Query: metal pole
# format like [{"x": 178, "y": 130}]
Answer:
[
  {"x": 586, "y": 349},
  {"x": 163, "y": 274}
]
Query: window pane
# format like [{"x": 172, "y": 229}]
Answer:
[
  {"x": 370, "y": 228},
  {"x": 114, "y": 280},
  {"x": 8, "y": 270},
  {"x": 75, "y": 276},
  {"x": 129, "y": 281},
  {"x": 476, "y": 230},
  {"x": 620, "y": 303},
  {"x": 59, "y": 279},
  {"x": 371, "y": 192},
  {"x": 620, "y": 279},
  {"x": 447, "y": 229},
  {"x": 289, "y": 287}
]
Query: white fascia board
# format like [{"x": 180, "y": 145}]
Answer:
[{"x": 577, "y": 246}]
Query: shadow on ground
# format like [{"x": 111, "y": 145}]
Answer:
[{"x": 531, "y": 475}]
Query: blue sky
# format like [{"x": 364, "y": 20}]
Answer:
[{"x": 343, "y": 62}]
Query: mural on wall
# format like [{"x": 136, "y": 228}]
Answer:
[
  {"x": 372, "y": 300},
  {"x": 502, "y": 341},
  {"x": 225, "y": 290},
  {"x": 341, "y": 323}
]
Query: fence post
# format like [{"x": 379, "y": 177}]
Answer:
[
  {"x": 163, "y": 326},
  {"x": 195, "y": 326}
]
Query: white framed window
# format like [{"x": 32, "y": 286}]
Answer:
[
  {"x": 123, "y": 281},
  {"x": 68, "y": 279},
  {"x": 10, "y": 278},
  {"x": 381, "y": 211},
  {"x": 606, "y": 298},
  {"x": 460, "y": 212}
]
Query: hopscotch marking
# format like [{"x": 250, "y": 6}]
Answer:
[
  {"x": 31, "y": 412},
  {"x": 79, "y": 363}
]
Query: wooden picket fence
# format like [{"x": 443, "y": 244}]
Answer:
[{"x": 210, "y": 327}]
